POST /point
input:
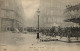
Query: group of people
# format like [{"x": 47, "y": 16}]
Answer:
[{"x": 62, "y": 32}]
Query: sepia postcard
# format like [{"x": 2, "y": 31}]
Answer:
[{"x": 39, "y": 25}]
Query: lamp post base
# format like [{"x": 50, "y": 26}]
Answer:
[{"x": 37, "y": 36}]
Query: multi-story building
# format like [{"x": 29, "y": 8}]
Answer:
[
  {"x": 52, "y": 13},
  {"x": 49, "y": 13},
  {"x": 10, "y": 15}
]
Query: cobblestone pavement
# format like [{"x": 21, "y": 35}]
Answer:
[{"x": 28, "y": 42}]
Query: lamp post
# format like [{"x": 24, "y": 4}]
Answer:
[{"x": 38, "y": 24}]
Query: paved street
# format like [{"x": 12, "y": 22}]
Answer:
[{"x": 28, "y": 42}]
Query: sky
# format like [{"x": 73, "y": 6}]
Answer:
[{"x": 30, "y": 7}]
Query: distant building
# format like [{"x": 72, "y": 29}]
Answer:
[
  {"x": 10, "y": 15},
  {"x": 48, "y": 13}
]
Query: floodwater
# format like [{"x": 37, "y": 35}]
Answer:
[{"x": 28, "y": 42}]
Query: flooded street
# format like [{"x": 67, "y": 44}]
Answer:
[
  {"x": 28, "y": 42},
  {"x": 23, "y": 21}
]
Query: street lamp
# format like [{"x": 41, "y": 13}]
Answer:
[{"x": 38, "y": 23}]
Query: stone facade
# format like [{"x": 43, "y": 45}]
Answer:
[{"x": 10, "y": 15}]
